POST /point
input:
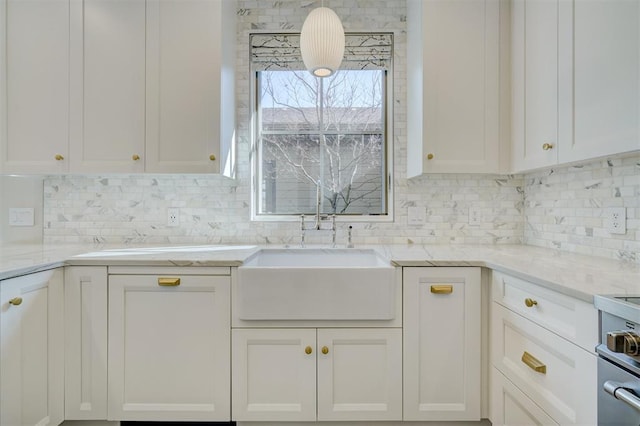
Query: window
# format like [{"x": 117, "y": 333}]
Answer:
[{"x": 315, "y": 136}]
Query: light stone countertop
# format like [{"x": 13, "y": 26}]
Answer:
[{"x": 572, "y": 274}]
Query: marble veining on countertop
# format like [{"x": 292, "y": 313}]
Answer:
[{"x": 573, "y": 274}]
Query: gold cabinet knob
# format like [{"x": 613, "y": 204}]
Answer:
[
  {"x": 59, "y": 157},
  {"x": 135, "y": 157},
  {"x": 547, "y": 146},
  {"x": 212, "y": 157},
  {"x": 325, "y": 350},
  {"x": 16, "y": 301},
  {"x": 530, "y": 302},
  {"x": 429, "y": 156},
  {"x": 308, "y": 350}
]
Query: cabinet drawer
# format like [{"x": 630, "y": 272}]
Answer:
[
  {"x": 573, "y": 319},
  {"x": 509, "y": 406},
  {"x": 567, "y": 389}
]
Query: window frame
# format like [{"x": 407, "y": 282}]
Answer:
[{"x": 388, "y": 159}]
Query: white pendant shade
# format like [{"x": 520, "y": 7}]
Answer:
[{"x": 322, "y": 42}]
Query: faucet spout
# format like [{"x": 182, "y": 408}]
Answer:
[{"x": 318, "y": 203}]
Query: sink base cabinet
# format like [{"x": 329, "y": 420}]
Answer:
[
  {"x": 442, "y": 350},
  {"x": 169, "y": 348},
  {"x": 32, "y": 348},
  {"x": 273, "y": 378},
  {"x": 323, "y": 374}
]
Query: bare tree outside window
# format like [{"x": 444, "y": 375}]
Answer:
[{"x": 329, "y": 131}]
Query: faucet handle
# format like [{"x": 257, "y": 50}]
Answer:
[{"x": 349, "y": 241}]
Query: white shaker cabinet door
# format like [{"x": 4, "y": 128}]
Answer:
[
  {"x": 511, "y": 407},
  {"x": 108, "y": 86},
  {"x": 169, "y": 348},
  {"x": 606, "y": 70},
  {"x": 32, "y": 349},
  {"x": 85, "y": 318},
  {"x": 274, "y": 374},
  {"x": 441, "y": 343},
  {"x": 454, "y": 97},
  {"x": 190, "y": 85},
  {"x": 534, "y": 83},
  {"x": 360, "y": 374},
  {"x": 34, "y": 86}
]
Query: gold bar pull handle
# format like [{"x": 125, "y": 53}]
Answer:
[
  {"x": 168, "y": 282},
  {"x": 442, "y": 289},
  {"x": 534, "y": 363}
]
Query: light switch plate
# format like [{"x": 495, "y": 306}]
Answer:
[{"x": 21, "y": 216}]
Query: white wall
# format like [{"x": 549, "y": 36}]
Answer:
[{"x": 21, "y": 191}]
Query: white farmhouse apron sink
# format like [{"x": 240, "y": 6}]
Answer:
[{"x": 316, "y": 284}]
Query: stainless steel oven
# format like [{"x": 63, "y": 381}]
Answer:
[{"x": 619, "y": 360}]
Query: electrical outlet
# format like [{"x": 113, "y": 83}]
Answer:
[
  {"x": 173, "y": 216},
  {"x": 616, "y": 220},
  {"x": 416, "y": 215},
  {"x": 475, "y": 216}
]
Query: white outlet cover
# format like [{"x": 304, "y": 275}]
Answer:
[
  {"x": 416, "y": 215},
  {"x": 615, "y": 220},
  {"x": 475, "y": 216},
  {"x": 173, "y": 216}
]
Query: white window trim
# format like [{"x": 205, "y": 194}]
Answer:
[{"x": 342, "y": 218}]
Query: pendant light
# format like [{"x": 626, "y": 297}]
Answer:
[{"x": 322, "y": 42}]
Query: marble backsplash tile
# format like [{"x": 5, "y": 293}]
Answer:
[
  {"x": 565, "y": 207},
  {"x": 213, "y": 209}
]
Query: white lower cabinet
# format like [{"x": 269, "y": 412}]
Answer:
[
  {"x": 542, "y": 350},
  {"x": 317, "y": 374},
  {"x": 442, "y": 355},
  {"x": 169, "y": 346},
  {"x": 509, "y": 406},
  {"x": 32, "y": 349},
  {"x": 85, "y": 317},
  {"x": 556, "y": 374}
]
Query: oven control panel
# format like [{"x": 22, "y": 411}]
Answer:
[{"x": 623, "y": 341}]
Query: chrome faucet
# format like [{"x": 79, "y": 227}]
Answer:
[
  {"x": 318, "y": 203},
  {"x": 333, "y": 231},
  {"x": 318, "y": 220}
]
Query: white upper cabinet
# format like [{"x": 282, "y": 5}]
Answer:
[
  {"x": 34, "y": 86},
  {"x": 534, "y": 87},
  {"x": 455, "y": 51},
  {"x": 575, "y": 80},
  {"x": 190, "y": 85},
  {"x": 101, "y": 86},
  {"x": 108, "y": 91},
  {"x": 606, "y": 83}
]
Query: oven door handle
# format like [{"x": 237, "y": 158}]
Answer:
[{"x": 618, "y": 391}]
